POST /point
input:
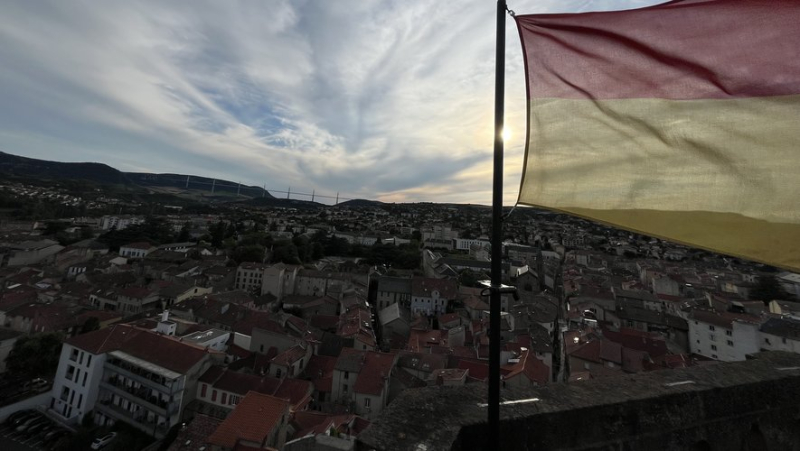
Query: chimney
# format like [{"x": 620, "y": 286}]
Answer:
[{"x": 165, "y": 315}]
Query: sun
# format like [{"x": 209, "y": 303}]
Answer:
[{"x": 506, "y": 134}]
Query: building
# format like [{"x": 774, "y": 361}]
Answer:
[
  {"x": 119, "y": 222},
  {"x": 127, "y": 374},
  {"x": 723, "y": 336},
  {"x": 250, "y": 276},
  {"x": 30, "y": 253},
  {"x": 258, "y": 421},
  {"x": 361, "y": 381},
  {"x": 781, "y": 334},
  {"x": 432, "y": 296},
  {"x": 136, "y": 250},
  {"x": 393, "y": 290}
]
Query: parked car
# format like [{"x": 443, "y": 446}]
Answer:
[
  {"x": 17, "y": 415},
  {"x": 27, "y": 424},
  {"x": 55, "y": 435},
  {"x": 35, "y": 428},
  {"x": 23, "y": 418},
  {"x": 101, "y": 442},
  {"x": 37, "y": 385}
]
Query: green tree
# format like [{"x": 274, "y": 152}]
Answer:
[
  {"x": 91, "y": 323},
  {"x": 285, "y": 251},
  {"x": 249, "y": 253},
  {"x": 184, "y": 235},
  {"x": 768, "y": 289},
  {"x": 35, "y": 355}
]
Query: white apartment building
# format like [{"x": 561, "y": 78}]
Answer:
[
  {"x": 127, "y": 374},
  {"x": 781, "y": 334},
  {"x": 119, "y": 222},
  {"x": 250, "y": 276},
  {"x": 724, "y": 336}
]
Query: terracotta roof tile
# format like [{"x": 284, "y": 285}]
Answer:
[
  {"x": 252, "y": 420},
  {"x": 160, "y": 350},
  {"x": 376, "y": 370}
]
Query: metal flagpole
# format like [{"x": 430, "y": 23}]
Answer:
[{"x": 497, "y": 234}]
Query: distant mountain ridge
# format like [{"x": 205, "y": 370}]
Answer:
[{"x": 15, "y": 166}]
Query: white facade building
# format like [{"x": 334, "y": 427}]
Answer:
[{"x": 724, "y": 336}]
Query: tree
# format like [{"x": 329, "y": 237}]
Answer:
[
  {"x": 184, "y": 234},
  {"x": 91, "y": 323},
  {"x": 249, "y": 253},
  {"x": 34, "y": 355},
  {"x": 769, "y": 289}
]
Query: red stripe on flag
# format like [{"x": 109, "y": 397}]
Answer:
[{"x": 681, "y": 50}]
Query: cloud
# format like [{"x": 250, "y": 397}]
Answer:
[{"x": 387, "y": 100}]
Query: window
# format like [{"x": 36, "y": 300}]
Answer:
[
  {"x": 214, "y": 395},
  {"x": 344, "y": 388},
  {"x": 713, "y": 356},
  {"x": 712, "y": 337},
  {"x": 277, "y": 372},
  {"x": 74, "y": 355},
  {"x": 729, "y": 333},
  {"x": 203, "y": 390},
  {"x": 730, "y": 343},
  {"x": 224, "y": 398},
  {"x": 713, "y": 348},
  {"x": 89, "y": 360},
  {"x": 711, "y": 328},
  {"x": 70, "y": 372},
  {"x": 84, "y": 379},
  {"x": 766, "y": 340},
  {"x": 64, "y": 393},
  {"x": 346, "y": 375},
  {"x": 366, "y": 402},
  {"x": 80, "y": 400}
]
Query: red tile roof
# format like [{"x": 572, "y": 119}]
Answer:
[
  {"x": 424, "y": 287},
  {"x": 477, "y": 370},
  {"x": 252, "y": 420},
  {"x": 722, "y": 319},
  {"x": 633, "y": 340},
  {"x": 289, "y": 356},
  {"x": 158, "y": 349},
  {"x": 374, "y": 373},
  {"x": 143, "y": 245},
  {"x": 296, "y": 391}
]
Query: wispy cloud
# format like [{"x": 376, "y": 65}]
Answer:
[{"x": 389, "y": 100}]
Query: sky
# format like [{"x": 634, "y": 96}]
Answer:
[{"x": 382, "y": 100}]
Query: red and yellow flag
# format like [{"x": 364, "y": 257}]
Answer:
[{"x": 680, "y": 121}]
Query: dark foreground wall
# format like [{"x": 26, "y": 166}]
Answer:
[{"x": 752, "y": 405}]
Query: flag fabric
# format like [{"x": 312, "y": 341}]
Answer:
[{"x": 680, "y": 121}]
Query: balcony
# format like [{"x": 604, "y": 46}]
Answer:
[
  {"x": 137, "y": 396},
  {"x": 144, "y": 377},
  {"x": 139, "y": 420}
]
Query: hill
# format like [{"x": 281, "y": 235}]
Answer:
[
  {"x": 285, "y": 203},
  {"x": 355, "y": 203},
  {"x": 17, "y": 167},
  {"x": 186, "y": 182},
  {"x": 24, "y": 169}
]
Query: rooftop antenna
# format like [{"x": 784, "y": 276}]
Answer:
[
  {"x": 337, "y": 198},
  {"x": 238, "y": 188},
  {"x": 313, "y": 192},
  {"x": 264, "y": 193},
  {"x": 289, "y": 193},
  {"x": 187, "y": 181},
  {"x": 213, "y": 184}
]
